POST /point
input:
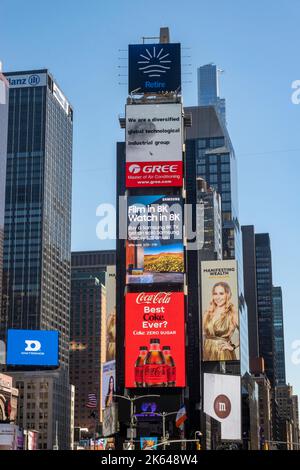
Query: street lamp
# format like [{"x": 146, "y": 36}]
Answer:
[{"x": 132, "y": 415}]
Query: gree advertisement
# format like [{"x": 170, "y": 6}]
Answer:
[
  {"x": 154, "y": 68},
  {"x": 222, "y": 401},
  {"x": 154, "y": 145},
  {"x": 154, "y": 340},
  {"x": 220, "y": 311},
  {"x": 154, "y": 247},
  {"x": 32, "y": 348}
]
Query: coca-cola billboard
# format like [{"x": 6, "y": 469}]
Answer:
[{"x": 154, "y": 340}]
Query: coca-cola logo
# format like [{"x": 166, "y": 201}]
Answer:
[{"x": 153, "y": 298}]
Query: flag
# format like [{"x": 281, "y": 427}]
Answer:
[
  {"x": 92, "y": 401},
  {"x": 181, "y": 416}
]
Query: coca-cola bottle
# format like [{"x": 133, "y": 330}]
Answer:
[
  {"x": 155, "y": 374},
  {"x": 170, "y": 366},
  {"x": 139, "y": 367}
]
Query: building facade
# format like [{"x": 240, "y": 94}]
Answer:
[
  {"x": 265, "y": 302},
  {"x": 250, "y": 285},
  {"x": 209, "y": 89},
  {"x": 4, "y": 96},
  {"x": 209, "y": 147},
  {"x": 37, "y": 233},
  {"x": 279, "y": 369}
]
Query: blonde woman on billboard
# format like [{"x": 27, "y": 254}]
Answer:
[{"x": 219, "y": 324}]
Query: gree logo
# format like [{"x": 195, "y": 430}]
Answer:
[
  {"x": 32, "y": 345},
  {"x": 134, "y": 169}
]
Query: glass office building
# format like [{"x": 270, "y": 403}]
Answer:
[
  {"x": 208, "y": 89},
  {"x": 265, "y": 302},
  {"x": 279, "y": 369},
  {"x": 209, "y": 144},
  {"x": 37, "y": 231}
]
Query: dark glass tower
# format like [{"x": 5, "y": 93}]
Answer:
[
  {"x": 279, "y": 372},
  {"x": 250, "y": 284},
  {"x": 209, "y": 147},
  {"x": 265, "y": 302},
  {"x": 37, "y": 236}
]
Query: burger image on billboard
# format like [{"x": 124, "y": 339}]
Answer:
[
  {"x": 155, "y": 340},
  {"x": 154, "y": 247}
]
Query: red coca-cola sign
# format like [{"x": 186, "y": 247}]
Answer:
[
  {"x": 154, "y": 298},
  {"x": 155, "y": 321}
]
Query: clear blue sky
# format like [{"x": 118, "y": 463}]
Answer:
[{"x": 256, "y": 43}]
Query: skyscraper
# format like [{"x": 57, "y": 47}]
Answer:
[
  {"x": 88, "y": 311},
  {"x": 37, "y": 236},
  {"x": 209, "y": 147},
  {"x": 209, "y": 90},
  {"x": 265, "y": 302},
  {"x": 250, "y": 284},
  {"x": 279, "y": 370},
  {"x": 3, "y": 149}
]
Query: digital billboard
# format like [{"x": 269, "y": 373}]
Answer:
[
  {"x": 110, "y": 420},
  {"x": 222, "y": 401},
  {"x": 109, "y": 323},
  {"x": 220, "y": 311},
  {"x": 32, "y": 348},
  {"x": 154, "y": 145},
  {"x": 147, "y": 443},
  {"x": 108, "y": 377},
  {"x": 154, "y": 340},
  {"x": 154, "y": 68},
  {"x": 154, "y": 247}
]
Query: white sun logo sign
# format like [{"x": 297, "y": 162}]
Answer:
[{"x": 155, "y": 64}]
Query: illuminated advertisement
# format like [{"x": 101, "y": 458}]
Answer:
[
  {"x": 110, "y": 320},
  {"x": 154, "y": 247},
  {"x": 32, "y": 347},
  {"x": 147, "y": 443},
  {"x": 110, "y": 420},
  {"x": 222, "y": 401},
  {"x": 154, "y": 145},
  {"x": 220, "y": 311},
  {"x": 154, "y": 68},
  {"x": 154, "y": 340},
  {"x": 108, "y": 383}
]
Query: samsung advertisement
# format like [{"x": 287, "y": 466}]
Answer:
[
  {"x": 154, "y": 249},
  {"x": 32, "y": 348},
  {"x": 154, "y": 68}
]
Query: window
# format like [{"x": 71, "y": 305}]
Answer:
[
  {"x": 213, "y": 168},
  {"x": 225, "y": 177},
  {"x": 213, "y": 179},
  {"x": 213, "y": 159},
  {"x": 201, "y": 169},
  {"x": 225, "y": 167},
  {"x": 225, "y": 158}
]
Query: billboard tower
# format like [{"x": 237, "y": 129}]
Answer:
[{"x": 150, "y": 247}]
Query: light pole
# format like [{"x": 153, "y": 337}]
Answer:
[{"x": 132, "y": 415}]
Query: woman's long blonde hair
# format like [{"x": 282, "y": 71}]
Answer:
[{"x": 229, "y": 306}]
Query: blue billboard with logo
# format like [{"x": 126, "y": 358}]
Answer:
[
  {"x": 154, "y": 68},
  {"x": 32, "y": 348}
]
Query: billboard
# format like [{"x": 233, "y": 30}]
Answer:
[
  {"x": 220, "y": 311},
  {"x": 147, "y": 443},
  {"x": 108, "y": 370},
  {"x": 222, "y": 401},
  {"x": 154, "y": 247},
  {"x": 154, "y": 68},
  {"x": 154, "y": 340},
  {"x": 32, "y": 348},
  {"x": 154, "y": 145},
  {"x": 110, "y": 420},
  {"x": 110, "y": 320}
]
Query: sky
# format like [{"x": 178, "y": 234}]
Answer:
[{"x": 84, "y": 45}]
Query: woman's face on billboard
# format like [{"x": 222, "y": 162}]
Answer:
[{"x": 219, "y": 296}]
